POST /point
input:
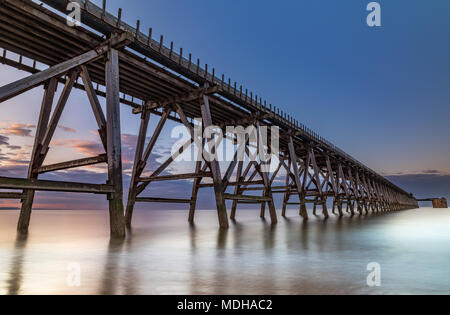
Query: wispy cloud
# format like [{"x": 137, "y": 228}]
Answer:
[
  {"x": 67, "y": 129},
  {"x": 17, "y": 129},
  {"x": 81, "y": 146}
]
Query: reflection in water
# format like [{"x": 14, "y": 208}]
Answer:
[
  {"x": 15, "y": 276},
  {"x": 165, "y": 255},
  {"x": 112, "y": 265}
]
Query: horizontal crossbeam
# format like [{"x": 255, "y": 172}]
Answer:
[
  {"x": 174, "y": 177},
  {"x": 259, "y": 182},
  {"x": 73, "y": 164},
  {"x": 11, "y": 195},
  {"x": 47, "y": 185},
  {"x": 246, "y": 198},
  {"x": 192, "y": 96},
  {"x": 163, "y": 200}
]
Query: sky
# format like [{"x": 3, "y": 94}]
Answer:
[{"x": 382, "y": 94}]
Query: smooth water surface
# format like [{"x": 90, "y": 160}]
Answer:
[{"x": 163, "y": 254}]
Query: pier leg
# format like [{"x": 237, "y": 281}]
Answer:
[
  {"x": 116, "y": 211},
  {"x": 303, "y": 209},
  {"x": 360, "y": 209},
  {"x": 339, "y": 206},
  {"x": 352, "y": 207},
  {"x": 325, "y": 208}
]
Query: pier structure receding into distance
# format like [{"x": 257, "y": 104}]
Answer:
[
  {"x": 108, "y": 58},
  {"x": 438, "y": 203}
]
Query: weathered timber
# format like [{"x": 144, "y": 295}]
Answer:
[
  {"x": 11, "y": 195},
  {"x": 114, "y": 148},
  {"x": 162, "y": 200},
  {"x": 73, "y": 164},
  {"x": 247, "y": 198},
  {"x": 47, "y": 185}
]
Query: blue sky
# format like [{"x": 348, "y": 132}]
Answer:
[{"x": 381, "y": 94}]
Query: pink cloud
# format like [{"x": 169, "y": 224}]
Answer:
[
  {"x": 16, "y": 129},
  {"x": 81, "y": 146},
  {"x": 67, "y": 129}
]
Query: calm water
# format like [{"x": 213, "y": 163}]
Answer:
[{"x": 164, "y": 255}]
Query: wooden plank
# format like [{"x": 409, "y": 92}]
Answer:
[
  {"x": 248, "y": 198},
  {"x": 73, "y": 164},
  {"x": 162, "y": 200},
  {"x": 46, "y": 185},
  {"x": 11, "y": 195}
]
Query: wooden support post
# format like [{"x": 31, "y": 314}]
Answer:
[
  {"x": 287, "y": 194},
  {"x": 325, "y": 207},
  {"x": 116, "y": 211},
  {"x": 263, "y": 172},
  {"x": 132, "y": 194},
  {"x": 339, "y": 206},
  {"x": 195, "y": 188},
  {"x": 318, "y": 184},
  {"x": 44, "y": 116},
  {"x": 293, "y": 155},
  {"x": 236, "y": 189},
  {"x": 215, "y": 167},
  {"x": 198, "y": 169}
]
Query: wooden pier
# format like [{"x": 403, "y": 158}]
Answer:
[{"x": 108, "y": 58}]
